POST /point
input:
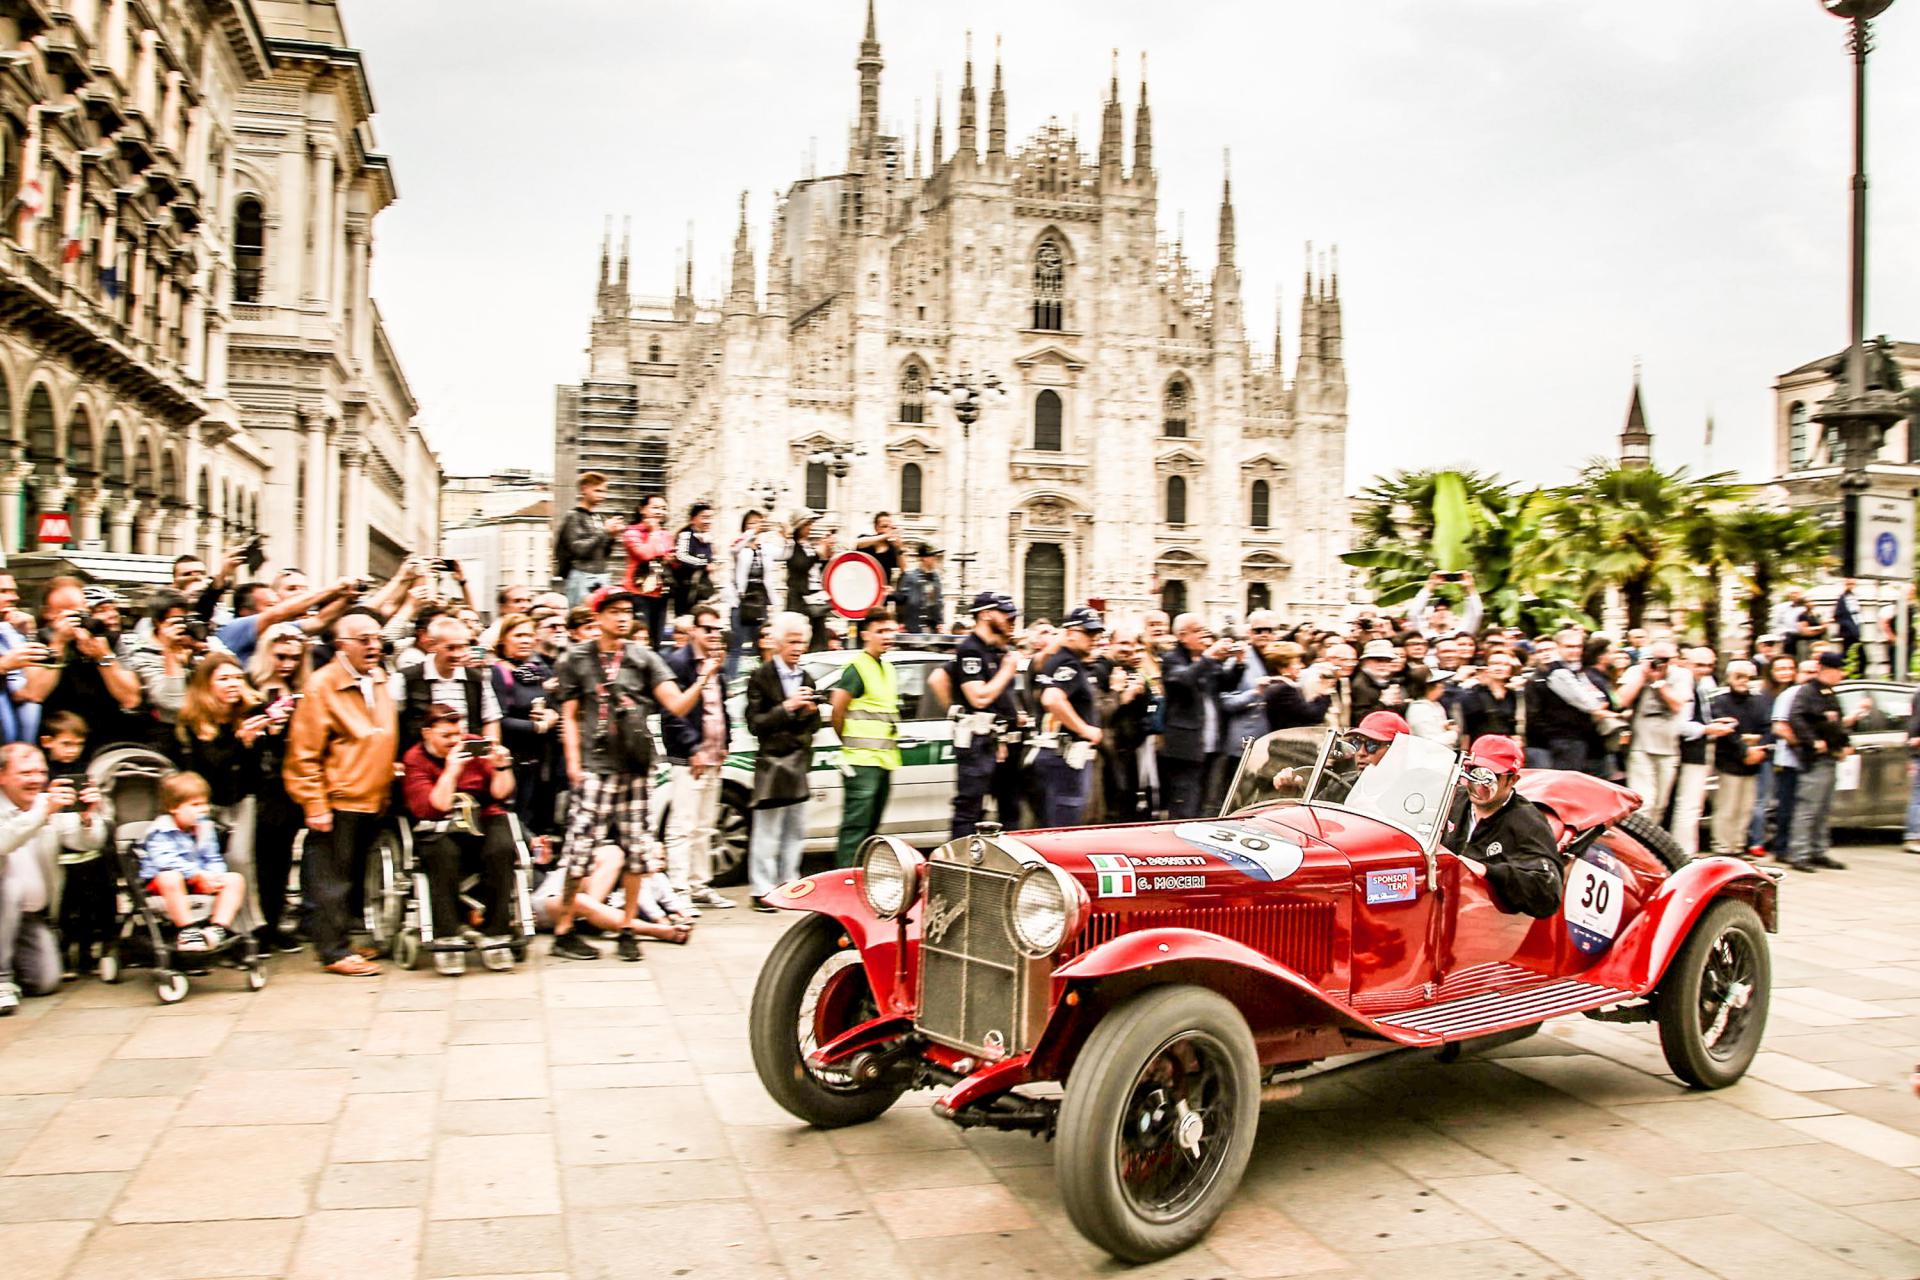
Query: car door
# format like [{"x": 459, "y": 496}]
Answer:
[
  {"x": 922, "y": 797},
  {"x": 1885, "y": 802}
]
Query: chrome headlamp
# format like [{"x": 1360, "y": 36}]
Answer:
[
  {"x": 891, "y": 872},
  {"x": 1049, "y": 907}
]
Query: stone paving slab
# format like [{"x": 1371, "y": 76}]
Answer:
[{"x": 604, "y": 1120}]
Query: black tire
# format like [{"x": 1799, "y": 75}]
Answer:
[
  {"x": 1113, "y": 1112},
  {"x": 805, "y": 950},
  {"x": 732, "y": 836},
  {"x": 1713, "y": 1001},
  {"x": 1655, "y": 838}
]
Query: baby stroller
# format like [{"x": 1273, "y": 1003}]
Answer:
[
  {"x": 396, "y": 908},
  {"x": 129, "y": 778}
]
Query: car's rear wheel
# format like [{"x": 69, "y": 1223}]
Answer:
[
  {"x": 1655, "y": 837},
  {"x": 1158, "y": 1122},
  {"x": 812, "y": 989},
  {"x": 733, "y": 835},
  {"x": 1713, "y": 1001}
]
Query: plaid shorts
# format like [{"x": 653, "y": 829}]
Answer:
[{"x": 610, "y": 808}]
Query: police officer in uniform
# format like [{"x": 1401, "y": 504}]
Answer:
[
  {"x": 1071, "y": 729},
  {"x": 986, "y": 715}
]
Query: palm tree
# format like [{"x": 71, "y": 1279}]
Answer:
[
  {"x": 1626, "y": 528},
  {"x": 1771, "y": 546}
]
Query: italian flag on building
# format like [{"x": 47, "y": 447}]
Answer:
[{"x": 1114, "y": 872}]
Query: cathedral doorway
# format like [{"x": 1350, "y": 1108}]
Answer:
[{"x": 1045, "y": 583}]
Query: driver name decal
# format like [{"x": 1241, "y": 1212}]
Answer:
[
  {"x": 1252, "y": 852},
  {"x": 1595, "y": 896}
]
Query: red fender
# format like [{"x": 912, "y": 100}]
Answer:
[
  {"x": 1148, "y": 948},
  {"x": 1640, "y": 956},
  {"x": 893, "y": 975}
]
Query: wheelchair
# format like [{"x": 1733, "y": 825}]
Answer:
[{"x": 396, "y": 906}]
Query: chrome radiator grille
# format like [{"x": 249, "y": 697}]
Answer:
[{"x": 973, "y": 984}]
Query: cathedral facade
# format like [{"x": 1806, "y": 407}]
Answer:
[{"x": 1136, "y": 451}]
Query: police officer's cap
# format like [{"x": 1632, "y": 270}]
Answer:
[
  {"x": 1084, "y": 618},
  {"x": 986, "y": 600}
]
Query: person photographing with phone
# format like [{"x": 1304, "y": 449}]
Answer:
[
  {"x": 783, "y": 711},
  {"x": 39, "y": 821},
  {"x": 457, "y": 789},
  {"x": 1434, "y": 618}
]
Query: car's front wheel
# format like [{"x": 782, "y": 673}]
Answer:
[
  {"x": 812, "y": 989},
  {"x": 1713, "y": 1001},
  {"x": 733, "y": 835},
  {"x": 1158, "y": 1122}
]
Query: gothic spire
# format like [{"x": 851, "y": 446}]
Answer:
[
  {"x": 1143, "y": 131},
  {"x": 1636, "y": 442},
  {"x": 997, "y": 111},
  {"x": 1330, "y": 352},
  {"x": 868, "y": 65},
  {"x": 778, "y": 266},
  {"x": 1307, "y": 367},
  {"x": 626, "y": 254},
  {"x": 1110, "y": 129},
  {"x": 606, "y": 245},
  {"x": 916, "y": 139},
  {"x": 939, "y": 134},
  {"x": 969, "y": 106},
  {"x": 740, "y": 297},
  {"x": 1226, "y": 213},
  {"x": 1279, "y": 331}
]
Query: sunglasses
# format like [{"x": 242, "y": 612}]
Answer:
[{"x": 1480, "y": 776}]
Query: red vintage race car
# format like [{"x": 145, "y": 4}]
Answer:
[{"x": 1133, "y": 991}]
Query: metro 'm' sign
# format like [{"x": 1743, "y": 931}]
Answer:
[{"x": 56, "y": 528}]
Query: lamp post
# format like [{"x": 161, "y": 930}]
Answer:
[
  {"x": 838, "y": 460},
  {"x": 968, "y": 393},
  {"x": 1858, "y": 416}
]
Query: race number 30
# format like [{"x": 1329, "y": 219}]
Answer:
[{"x": 1594, "y": 898}]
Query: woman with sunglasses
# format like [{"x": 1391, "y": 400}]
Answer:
[{"x": 521, "y": 682}]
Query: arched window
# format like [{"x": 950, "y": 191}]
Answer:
[
  {"x": 43, "y": 444},
  {"x": 1049, "y": 286},
  {"x": 1176, "y": 499},
  {"x": 249, "y": 250},
  {"x": 817, "y": 486},
  {"x": 1173, "y": 597},
  {"x": 171, "y": 492},
  {"x": 79, "y": 443},
  {"x": 115, "y": 462},
  {"x": 1173, "y": 424},
  {"x": 1046, "y": 422},
  {"x": 204, "y": 493},
  {"x": 1798, "y": 440},
  {"x": 1259, "y": 596},
  {"x": 1045, "y": 594},
  {"x": 1261, "y": 505},
  {"x": 653, "y": 351},
  {"x": 910, "y": 485},
  {"x": 913, "y": 393},
  {"x": 143, "y": 468}
]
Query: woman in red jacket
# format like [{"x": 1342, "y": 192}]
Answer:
[{"x": 649, "y": 553}]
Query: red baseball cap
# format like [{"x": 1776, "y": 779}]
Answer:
[
  {"x": 1497, "y": 752},
  {"x": 606, "y": 597},
  {"x": 1383, "y": 726}
]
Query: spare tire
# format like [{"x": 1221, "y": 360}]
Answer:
[{"x": 1656, "y": 838}]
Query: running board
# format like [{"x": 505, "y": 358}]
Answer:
[{"x": 1478, "y": 1015}]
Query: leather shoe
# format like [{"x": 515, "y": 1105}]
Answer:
[
  {"x": 762, "y": 905},
  {"x": 1828, "y": 863},
  {"x": 1800, "y": 864}
]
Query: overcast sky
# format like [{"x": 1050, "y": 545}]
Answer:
[{"x": 1527, "y": 196}]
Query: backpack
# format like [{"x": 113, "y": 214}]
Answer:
[{"x": 630, "y": 708}]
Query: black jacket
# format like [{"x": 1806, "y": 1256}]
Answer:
[
  {"x": 581, "y": 542},
  {"x": 1515, "y": 844},
  {"x": 1288, "y": 708},
  {"x": 780, "y": 732},
  {"x": 1751, "y": 710},
  {"x": 1192, "y": 682},
  {"x": 681, "y": 734},
  {"x": 1816, "y": 718}
]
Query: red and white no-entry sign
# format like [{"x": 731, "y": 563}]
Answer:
[
  {"x": 854, "y": 583},
  {"x": 56, "y": 528}
]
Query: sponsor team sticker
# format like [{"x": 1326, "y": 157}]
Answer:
[
  {"x": 1399, "y": 885},
  {"x": 1594, "y": 899},
  {"x": 1246, "y": 849},
  {"x": 1113, "y": 874}
]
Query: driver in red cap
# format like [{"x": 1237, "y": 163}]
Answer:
[
  {"x": 1367, "y": 742},
  {"x": 1500, "y": 836}
]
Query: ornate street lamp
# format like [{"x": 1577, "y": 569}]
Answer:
[
  {"x": 838, "y": 459},
  {"x": 968, "y": 393}
]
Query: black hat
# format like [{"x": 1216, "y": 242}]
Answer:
[
  {"x": 1836, "y": 661},
  {"x": 1084, "y": 618},
  {"x": 986, "y": 600},
  {"x": 928, "y": 549}
]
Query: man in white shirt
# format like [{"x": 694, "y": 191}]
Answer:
[
  {"x": 1698, "y": 731},
  {"x": 1432, "y": 618},
  {"x": 36, "y": 822},
  {"x": 451, "y": 673}
]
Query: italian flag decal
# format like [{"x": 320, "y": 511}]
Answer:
[{"x": 1113, "y": 873}]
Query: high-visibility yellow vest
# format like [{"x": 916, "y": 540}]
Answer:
[{"x": 870, "y": 735}]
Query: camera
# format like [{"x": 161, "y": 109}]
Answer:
[
  {"x": 195, "y": 628},
  {"x": 1454, "y": 575},
  {"x": 92, "y": 626}
]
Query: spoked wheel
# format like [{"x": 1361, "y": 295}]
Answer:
[
  {"x": 732, "y": 837},
  {"x": 384, "y": 898},
  {"x": 1713, "y": 1001},
  {"x": 1158, "y": 1122},
  {"x": 811, "y": 990}
]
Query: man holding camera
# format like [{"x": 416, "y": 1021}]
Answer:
[
  {"x": 696, "y": 748},
  {"x": 457, "y": 788},
  {"x": 608, "y": 687},
  {"x": 77, "y": 670},
  {"x": 177, "y": 641},
  {"x": 38, "y": 822},
  {"x": 1654, "y": 694},
  {"x": 1436, "y": 617}
]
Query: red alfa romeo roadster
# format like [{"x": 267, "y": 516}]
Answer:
[{"x": 1132, "y": 991}]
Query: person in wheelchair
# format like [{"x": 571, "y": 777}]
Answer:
[
  {"x": 456, "y": 789},
  {"x": 1501, "y": 836}
]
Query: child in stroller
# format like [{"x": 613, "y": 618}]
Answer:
[{"x": 180, "y": 854}]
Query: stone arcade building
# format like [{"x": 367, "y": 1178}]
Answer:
[
  {"x": 188, "y": 355},
  {"x": 1143, "y": 453}
]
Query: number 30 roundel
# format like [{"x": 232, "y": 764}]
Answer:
[{"x": 1594, "y": 899}]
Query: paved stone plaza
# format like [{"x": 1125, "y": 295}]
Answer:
[{"x": 604, "y": 1120}]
